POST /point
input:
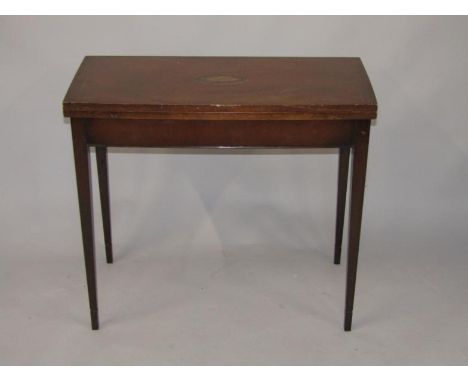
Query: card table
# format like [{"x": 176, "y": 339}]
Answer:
[{"x": 228, "y": 102}]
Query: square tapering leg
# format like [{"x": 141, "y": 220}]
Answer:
[
  {"x": 103, "y": 176},
  {"x": 83, "y": 182},
  {"x": 358, "y": 180},
  {"x": 343, "y": 167}
]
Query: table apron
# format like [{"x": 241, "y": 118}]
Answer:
[{"x": 222, "y": 133}]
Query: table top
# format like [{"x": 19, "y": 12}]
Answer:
[{"x": 220, "y": 88}]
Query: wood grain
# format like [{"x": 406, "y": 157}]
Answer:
[
  {"x": 221, "y": 102},
  {"x": 220, "y": 88}
]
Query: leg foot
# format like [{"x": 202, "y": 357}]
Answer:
[
  {"x": 103, "y": 177},
  {"x": 83, "y": 182},
  {"x": 94, "y": 319},
  {"x": 361, "y": 141},
  {"x": 348, "y": 320},
  {"x": 341, "y": 200},
  {"x": 109, "y": 255}
]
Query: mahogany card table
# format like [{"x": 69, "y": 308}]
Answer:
[{"x": 229, "y": 102}]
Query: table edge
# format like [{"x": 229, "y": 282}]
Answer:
[{"x": 220, "y": 112}]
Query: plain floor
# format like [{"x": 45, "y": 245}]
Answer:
[{"x": 186, "y": 293}]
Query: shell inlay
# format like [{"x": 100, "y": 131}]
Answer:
[{"x": 222, "y": 79}]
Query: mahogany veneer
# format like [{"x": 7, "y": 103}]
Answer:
[{"x": 220, "y": 102}]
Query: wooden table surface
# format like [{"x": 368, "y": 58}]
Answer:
[
  {"x": 220, "y": 102},
  {"x": 205, "y": 87}
]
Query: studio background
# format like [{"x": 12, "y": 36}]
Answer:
[{"x": 224, "y": 258}]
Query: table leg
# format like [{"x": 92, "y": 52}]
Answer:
[
  {"x": 358, "y": 180},
  {"x": 103, "y": 176},
  {"x": 83, "y": 181},
  {"x": 341, "y": 200}
]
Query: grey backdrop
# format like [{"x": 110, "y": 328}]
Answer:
[{"x": 227, "y": 259}]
